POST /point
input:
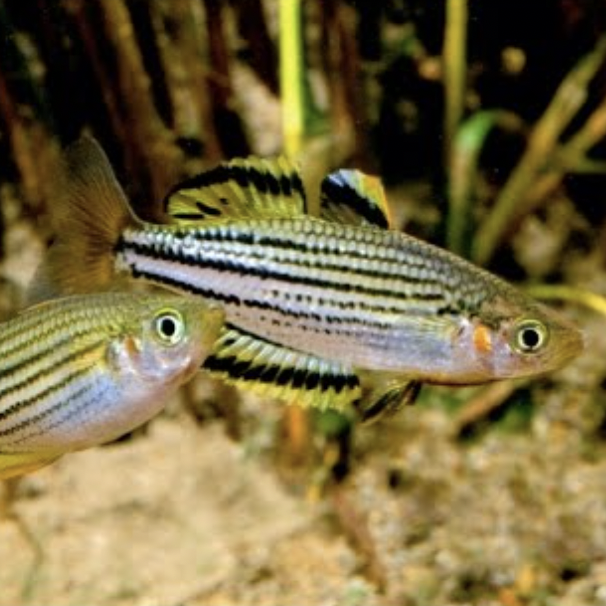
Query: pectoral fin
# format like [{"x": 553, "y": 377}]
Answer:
[
  {"x": 389, "y": 402},
  {"x": 245, "y": 360}
]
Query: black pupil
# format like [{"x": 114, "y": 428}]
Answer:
[
  {"x": 530, "y": 338},
  {"x": 168, "y": 327}
]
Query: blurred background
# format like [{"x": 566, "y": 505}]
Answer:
[{"x": 486, "y": 120}]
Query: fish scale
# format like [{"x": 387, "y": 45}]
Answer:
[{"x": 384, "y": 257}]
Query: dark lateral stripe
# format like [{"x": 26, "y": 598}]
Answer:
[
  {"x": 36, "y": 419},
  {"x": 245, "y": 177},
  {"x": 69, "y": 411},
  {"x": 43, "y": 395},
  {"x": 333, "y": 321},
  {"x": 307, "y": 247},
  {"x": 36, "y": 354},
  {"x": 345, "y": 268},
  {"x": 19, "y": 335},
  {"x": 44, "y": 372},
  {"x": 347, "y": 196},
  {"x": 185, "y": 287},
  {"x": 234, "y": 266}
]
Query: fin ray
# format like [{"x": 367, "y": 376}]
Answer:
[
  {"x": 90, "y": 213},
  {"x": 354, "y": 198},
  {"x": 246, "y": 360},
  {"x": 389, "y": 402},
  {"x": 243, "y": 188}
]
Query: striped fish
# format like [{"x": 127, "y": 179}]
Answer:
[
  {"x": 310, "y": 302},
  {"x": 79, "y": 371}
]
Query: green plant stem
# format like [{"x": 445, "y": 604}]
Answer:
[{"x": 291, "y": 76}]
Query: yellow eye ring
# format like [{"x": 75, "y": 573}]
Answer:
[
  {"x": 530, "y": 336},
  {"x": 169, "y": 326}
]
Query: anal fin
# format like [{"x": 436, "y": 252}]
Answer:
[{"x": 248, "y": 361}]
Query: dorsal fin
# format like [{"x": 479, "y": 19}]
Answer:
[
  {"x": 355, "y": 198},
  {"x": 243, "y": 188},
  {"x": 246, "y": 360}
]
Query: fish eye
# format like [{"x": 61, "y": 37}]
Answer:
[
  {"x": 169, "y": 326},
  {"x": 530, "y": 336}
]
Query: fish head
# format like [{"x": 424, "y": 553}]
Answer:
[
  {"x": 526, "y": 339},
  {"x": 167, "y": 341}
]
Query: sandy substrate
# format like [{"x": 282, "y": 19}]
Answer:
[{"x": 184, "y": 515}]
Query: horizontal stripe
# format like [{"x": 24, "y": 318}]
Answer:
[
  {"x": 33, "y": 355},
  {"x": 38, "y": 375},
  {"x": 67, "y": 411},
  {"x": 367, "y": 316},
  {"x": 44, "y": 397},
  {"x": 326, "y": 281},
  {"x": 66, "y": 318},
  {"x": 320, "y": 241}
]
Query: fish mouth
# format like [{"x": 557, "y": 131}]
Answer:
[{"x": 572, "y": 345}]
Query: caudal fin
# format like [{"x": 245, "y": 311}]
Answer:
[{"x": 88, "y": 216}]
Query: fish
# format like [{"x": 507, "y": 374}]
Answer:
[
  {"x": 83, "y": 370},
  {"x": 312, "y": 303}
]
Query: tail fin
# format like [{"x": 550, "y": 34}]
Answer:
[{"x": 88, "y": 216}]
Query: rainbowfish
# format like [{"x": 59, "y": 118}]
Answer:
[
  {"x": 79, "y": 371},
  {"x": 311, "y": 303}
]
